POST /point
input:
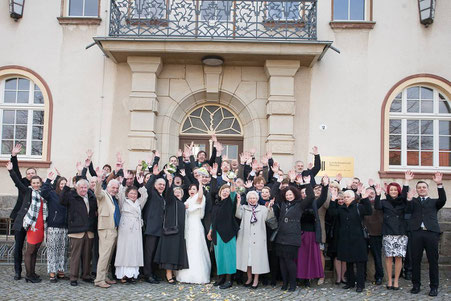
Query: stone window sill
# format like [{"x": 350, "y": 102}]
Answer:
[
  {"x": 418, "y": 175},
  {"x": 30, "y": 163},
  {"x": 352, "y": 24},
  {"x": 79, "y": 21}
]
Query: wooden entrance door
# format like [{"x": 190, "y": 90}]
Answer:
[{"x": 233, "y": 146}]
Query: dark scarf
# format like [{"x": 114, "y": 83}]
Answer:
[
  {"x": 223, "y": 219},
  {"x": 254, "y": 215}
]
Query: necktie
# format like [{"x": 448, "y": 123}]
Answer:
[{"x": 117, "y": 212}]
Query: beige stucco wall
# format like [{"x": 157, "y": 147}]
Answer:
[{"x": 344, "y": 91}]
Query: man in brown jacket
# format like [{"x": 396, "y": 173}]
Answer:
[
  {"x": 373, "y": 223},
  {"x": 109, "y": 217}
]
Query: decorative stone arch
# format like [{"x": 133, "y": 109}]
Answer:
[{"x": 173, "y": 113}]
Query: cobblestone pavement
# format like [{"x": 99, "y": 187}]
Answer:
[{"x": 19, "y": 290}]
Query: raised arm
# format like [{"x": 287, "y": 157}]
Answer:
[
  {"x": 16, "y": 150},
  {"x": 16, "y": 178},
  {"x": 317, "y": 163},
  {"x": 441, "y": 191},
  {"x": 324, "y": 191}
]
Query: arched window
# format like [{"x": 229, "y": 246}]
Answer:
[
  {"x": 210, "y": 119},
  {"x": 25, "y": 110},
  {"x": 418, "y": 129}
]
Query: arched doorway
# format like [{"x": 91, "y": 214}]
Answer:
[{"x": 206, "y": 120}]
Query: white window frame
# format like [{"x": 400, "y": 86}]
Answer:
[
  {"x": 404, "y": 116},
  {"x": 30, "y": 107},
  {"x": 365, "y": 14},
  {"x": 83, "y": 10}
]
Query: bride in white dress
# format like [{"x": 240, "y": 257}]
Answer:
[{"x": 196, "y": 246}]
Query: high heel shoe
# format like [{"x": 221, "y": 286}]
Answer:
[
  {"x": 254, "y": 287},
  {"x": 220, "y": 281}
]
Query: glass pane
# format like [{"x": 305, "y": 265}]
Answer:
[
  {"x": 427, "y": 143},
  {"x": 24, "y": 84},
  {"x": 426, "y": 93},
  {"x": 394, "y": 158},
  {"x": 396, "y": 105},
  {"x": 426, "y": 158},
  {"x": 36, "y": 148},
  {"x": 22, "y": 96},
  {"x": 357, "y": 10},
  {"x": 395, "y": 142},
  {"x": 227, "y": 113},
  {"x": 8, "y": 132},
  {"x": 412, "y": 158},
  {"x": 186, "y": 125},
  {"x": 444, "y": 159},
  {"x": 413, "y": 106},
  {"x": 198, "y": 124},
  {"x": 76, "y": 8},
  {"x": 7, "y": 147},
  {"x": 427, "y": 106},
  {"x": 11, "y": 84},
  {"x": 8, "y": 117},
  {"x": 395, "y": 126},
  {"x": 38, "y": 98},
  {"x": 196, "y": 112},
  {"x": 205, "y": 117},
  {"x": 340, "y": 9},
  {"x": 399, "y": 96},
  {"x": 427, "y": 127},
  {"x": 445, "y": 143},
  {"x": 412, "y": 142},
  {"x": 24, "y": 145},
  {"x": 21, "y": 117},
  {"x": 236, "y": 126},
  {"x": 10, "y": 97},
  {"x": 91, "y": 7},
  {"x": 21, "y": 132},
  {"x": 413, "y": 93},
  {"x": 38, "y": 117},
  {"x": 37, "y": 132},
  {"x": 229, "y": 132},
  {"x": 197, "y": 148},
  {"x": 412, "y": 126},
  {"x": 232, "y": 151},
  {"x": 217, "y": 117},
  {"x": 444, "y": 107},
  {"x": 225, "y": 124},
  {"x": 444, "y": 127}
]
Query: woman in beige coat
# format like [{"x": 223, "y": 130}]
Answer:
[{"x": 251, "y": 252}]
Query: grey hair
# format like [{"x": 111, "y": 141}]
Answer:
[
  {"x": 350, "y": 193},
  {"x": 82, "y": 181},
  {"x": 113, "y": 181},
  {"x": 181, "y": 190},
  {"x": 160, "y": 180},
  {"x": 252, "y": 192}
]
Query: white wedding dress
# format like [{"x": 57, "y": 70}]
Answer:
[{"x": 196, "y": 246}]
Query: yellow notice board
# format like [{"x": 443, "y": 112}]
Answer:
[{"x": 334, "y": 165}]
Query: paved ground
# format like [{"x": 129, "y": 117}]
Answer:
[{"x": 19, "y": 290}]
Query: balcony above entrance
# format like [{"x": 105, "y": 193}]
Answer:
[{"x": 242, "y": 32}]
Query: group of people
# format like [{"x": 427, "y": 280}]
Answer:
[{"x": 245, "y": 221}]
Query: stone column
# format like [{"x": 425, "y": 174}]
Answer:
[
  {"x": 280, "y": 109},
  {"x": 143, "y": 105}
]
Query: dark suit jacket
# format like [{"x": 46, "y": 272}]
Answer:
[
  {"x": 426, "y": 212},
  {"x": 154, "y": 209}
]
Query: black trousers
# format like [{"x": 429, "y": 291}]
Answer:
[
  {"x": 425, "y": 240},
  {"x": 19, "y": 238},
  {"x": 150, "y": 247},
  {"x": 352, "y": 278},
  {"x": 376, "y": 250},
  {"x": 407, "y": 264}
]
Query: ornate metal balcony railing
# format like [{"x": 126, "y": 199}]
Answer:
[{"x": 214, "y": 20}]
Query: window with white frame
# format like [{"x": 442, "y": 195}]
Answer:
[
  {"x": 420, "y": 129},
  {"x": 21, "y": 117},
  {"x": 83, "y": 8},
  {"x": 349, "y": 10},
  {"x": 215, "y": 10}
]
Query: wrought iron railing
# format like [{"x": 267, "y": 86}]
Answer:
[{"x": 214, "y": 20}]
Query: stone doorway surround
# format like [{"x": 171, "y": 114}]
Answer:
[{"x": 261, "y": 96}]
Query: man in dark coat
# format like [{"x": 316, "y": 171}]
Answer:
[
  {"x": 19, "y": 231},
  {"x": 153, "y": 222},
  {"x": 425, "y": 230}
]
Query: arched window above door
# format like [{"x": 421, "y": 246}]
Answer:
[{"x": 211, "y": 119}]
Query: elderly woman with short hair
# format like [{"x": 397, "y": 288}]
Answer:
[
  {"x": 352, "y": 245},
  {"x": 251, "y": 248}
]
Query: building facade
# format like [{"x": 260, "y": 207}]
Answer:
[{"x": 132, "y": 76}]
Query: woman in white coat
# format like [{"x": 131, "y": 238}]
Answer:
[
  {"x": 129, "y": 252},
  {"x": 251, "y": 251}
]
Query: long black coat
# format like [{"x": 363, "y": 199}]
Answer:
[
  {"x": 153, "y": 210},
  {"x": 394, "y": 210},
  {"x": 20, "y": 193},
  {"x": 352, "y": 246},
  {"x": 25, "y": 200},
  {"x": 78, "y": 218}
]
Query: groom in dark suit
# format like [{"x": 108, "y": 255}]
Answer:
[{"x": 425, "y": 230}]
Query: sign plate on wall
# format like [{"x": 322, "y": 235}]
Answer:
[{"x": 334, "y": 165}]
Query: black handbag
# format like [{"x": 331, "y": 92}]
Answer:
[
  {"x": 173, "y": 229},
  {"x": 272, "y": 223},
  {"x": 366, "y": 234}
]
